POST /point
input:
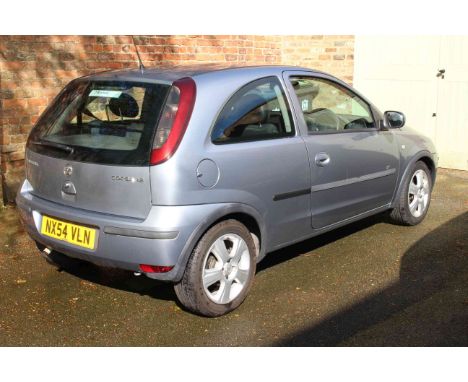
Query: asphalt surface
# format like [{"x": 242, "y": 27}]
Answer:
[{"x": 371, "y": 283}]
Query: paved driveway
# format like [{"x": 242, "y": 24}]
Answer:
[{"x": 371, "y": 283}]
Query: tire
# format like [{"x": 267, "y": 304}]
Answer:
[
  {"x": 404, "y": 212},
  {"x": 218, "y": 277}
]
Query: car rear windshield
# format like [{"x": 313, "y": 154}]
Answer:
[{"x": 101, "y": 122}]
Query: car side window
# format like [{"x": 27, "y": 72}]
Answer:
[
  {"x": 258, "y": 111},
  {"x": 329, "y": 107}
]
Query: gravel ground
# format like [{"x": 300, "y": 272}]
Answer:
[{"x": 369, "y": 284}]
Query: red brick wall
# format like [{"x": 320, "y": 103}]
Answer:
[
  {"x": 34, "y": 68},
  {"x": 332, "y": 54}
]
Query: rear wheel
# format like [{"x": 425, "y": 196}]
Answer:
[
  {"x": 220, "y": 270},
  {"x": 415, "y": 197}
]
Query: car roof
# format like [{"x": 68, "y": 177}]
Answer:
[{"x": 173, "y": 73}]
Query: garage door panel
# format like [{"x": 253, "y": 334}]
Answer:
[
  {"x": 396, "y": 57},
  {"x": 395, "y": 95},
  {"x": 451, "y": 136},
  {"x": 399, "y": 72},
  {"x": 452, "y": 112},
  {"x": 454, "y": 57}
]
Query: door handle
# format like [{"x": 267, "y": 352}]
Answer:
[
  {"x": 441, "y": 73},
  {"x": 322, "y": 159}
]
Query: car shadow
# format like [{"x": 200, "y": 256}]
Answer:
[
  {"x": 126, "y": 281},
  {"x": 427, "y": 306},
  {"x": 116, "y": 279},
  {"x": 432, "y": 265},
  {"x": 292, "y": 251}
]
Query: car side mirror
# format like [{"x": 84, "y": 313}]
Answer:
[{"x": 394, "y": 119}]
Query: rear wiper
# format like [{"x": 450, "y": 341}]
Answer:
[{"x": 55, "y": 145}]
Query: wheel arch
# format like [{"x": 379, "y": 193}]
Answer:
[
  {"x": 243, "y": 213},
  {"x": 250, "y": 222},
  {"x": 429, "y": 162},
  {"x": 424, "y": 156}
]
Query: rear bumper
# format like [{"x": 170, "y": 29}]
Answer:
[{"x": 166, "y": 237}]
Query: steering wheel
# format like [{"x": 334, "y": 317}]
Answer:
[{"x": 324, "y": 119}]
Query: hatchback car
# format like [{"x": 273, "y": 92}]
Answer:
[{"x": 193, "y": 175}]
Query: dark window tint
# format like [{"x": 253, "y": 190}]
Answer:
[
  {"x": 258, "y": 111},
  {"x": 330, "y": 107},
  {"x": 101, "y": 122}
]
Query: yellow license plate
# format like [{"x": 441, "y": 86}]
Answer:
[{"x": 71, "y": 233}]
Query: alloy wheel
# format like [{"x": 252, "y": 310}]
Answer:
[
  {"x": 226, "y": 268},
  {"x": 418, "y": 193}
]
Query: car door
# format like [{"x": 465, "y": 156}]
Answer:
[
  {"x": 263, "y": 160},
  {"x": 354, "y": 164}
]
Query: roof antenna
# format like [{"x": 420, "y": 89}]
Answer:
[{"x": 142, "y": 67}]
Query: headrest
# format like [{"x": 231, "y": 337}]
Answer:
[
  {"x": 124, "y": 106},
  {"x": 250, "y": 102}
]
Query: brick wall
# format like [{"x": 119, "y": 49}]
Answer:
[
  {"x": 34, "y": 68},
  {"x": 332, "y": 54}
]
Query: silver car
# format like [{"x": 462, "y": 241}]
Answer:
[{"x": 193, "y": 175}]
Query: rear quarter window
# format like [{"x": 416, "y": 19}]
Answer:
[{"x": 257, "y": 111}]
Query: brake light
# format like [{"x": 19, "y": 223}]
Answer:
[
  {"x": 174, "y": 120},
  {"x": 155, "y": 268}
]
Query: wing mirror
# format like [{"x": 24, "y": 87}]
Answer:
[{"x": 394, "y": 119}]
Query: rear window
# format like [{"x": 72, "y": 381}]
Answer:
[{"x": 101, "y": 122}]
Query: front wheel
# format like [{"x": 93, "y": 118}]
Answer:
[
  {"x": 414, "y": 199},
  {"x": 220, "y": 270}
]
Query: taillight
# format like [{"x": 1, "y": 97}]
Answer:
[
  {"x": 174, "y": 120},
  {"x": 155, "y": 268}
]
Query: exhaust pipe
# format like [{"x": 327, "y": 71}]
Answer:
[{"x": 45, "y": 253}]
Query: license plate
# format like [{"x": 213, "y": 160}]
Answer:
[{"x": 71, "y": 233}]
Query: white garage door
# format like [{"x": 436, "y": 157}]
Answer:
[{"x": 402, "y": 73}]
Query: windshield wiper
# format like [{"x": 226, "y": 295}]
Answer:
[{"x": 55, "y": 145}]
